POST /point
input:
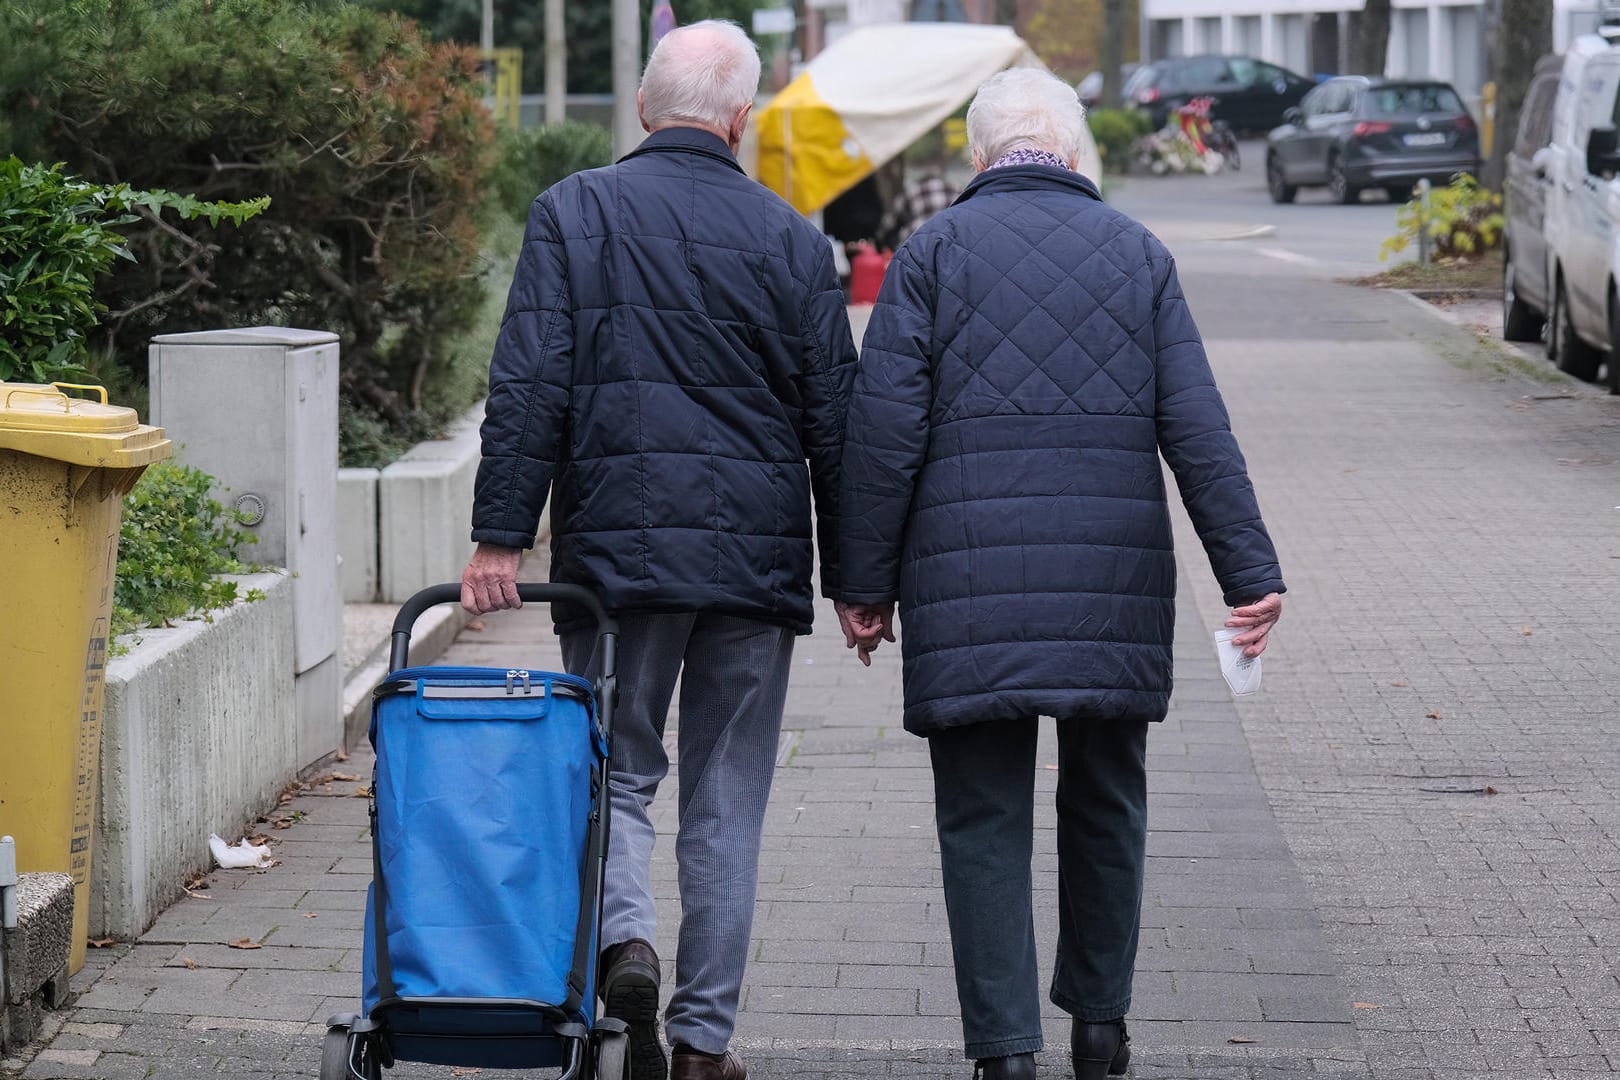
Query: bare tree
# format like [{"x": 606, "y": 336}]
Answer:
[
  {"x": 1523, "y": 36},
  {"x": 1372, "y": 38}
]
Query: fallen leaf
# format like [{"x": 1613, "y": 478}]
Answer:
[
  {"x": 1400, "y": 683},
  {"x": 342, "y": 754},
  {"x": 346, "y": 777},
  {"x": 281, "y": 823},
  {"x": 197, "y": 895},
  {"x": 101, "y": 942},
  {"x": 1527, "y": 631},
  {"x": 1050, "y": 768},
  {"x": 285, "y": 799},
  {"x": 462, "y": 1070},
  {"x": 362, "y": 792},
  {"x": 311, "y": 915},
  {"x": 1240, "y": 1040},
  {"x": 191, "y": 965},
  {"x": 1489, "y": 790},
  {"x": 475, "y": 625},
  {"x": 245, "y": 943},
  {"x": 1363, "y": 1005},
  {"x": 1435, "y": 715},
  {"x": 260, "y": 840}
]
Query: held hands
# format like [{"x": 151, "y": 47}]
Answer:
[
  {"x": 865, "y": 627},
  {"x": 490, "y": 581},
  {"x": 1256, "y": 621}
]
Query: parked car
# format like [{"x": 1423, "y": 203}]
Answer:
[
  {"x": 1091, "y": 87},
  {"x": 1526, "y": 294},
  {"x": 1250, "y": 95},
  {"x": 1353, "y": 133},
  {"x": 1582, "y": 222}
]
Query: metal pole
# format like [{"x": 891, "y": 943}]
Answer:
[
  {"x": 1423, "y": 221},
  {"x": 556, "y": 64},
  {"x": 627, "y": 132}
]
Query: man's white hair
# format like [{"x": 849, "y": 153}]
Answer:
[
  {"x": 1025, "y": 109},
  {"x": 701, "y": 73}
]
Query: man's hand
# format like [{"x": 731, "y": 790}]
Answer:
[
  {"x": 490, "y": 581},
  {"x": 1256, "y": 621},
  {"x": 865, "y": 627}
]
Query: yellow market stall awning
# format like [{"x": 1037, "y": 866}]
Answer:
[{"x": 870, "y": 95}]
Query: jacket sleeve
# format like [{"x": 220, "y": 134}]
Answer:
[
  {"x": 529, "y": 379},
  {"x": 826, "y": 378},
  {"x": 888, "y": 432},
  {"x": 1195, "y": 437}
]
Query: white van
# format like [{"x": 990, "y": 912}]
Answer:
[{"x": 1583, "y": 212}]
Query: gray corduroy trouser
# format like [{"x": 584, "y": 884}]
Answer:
[{"x": 733, "y": 675}]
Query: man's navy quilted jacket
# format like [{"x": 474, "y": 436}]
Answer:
[
  {"x": 675, "y": 348},
  {"x": 1029, "y": 358}
]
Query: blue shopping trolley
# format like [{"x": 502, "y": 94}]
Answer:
[{"x": 489, "y": 820}]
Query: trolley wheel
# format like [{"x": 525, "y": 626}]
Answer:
[
  {"x": 345, "y": 1056},
  {"x": 612, "y": 1057}
]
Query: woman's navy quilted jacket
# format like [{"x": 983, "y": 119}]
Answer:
[
  {"x": 675, "y": 348},
  {"x": 1030, "y": 357}
]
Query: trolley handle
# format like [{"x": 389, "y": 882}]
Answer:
[{"x": 529, "y": 592}]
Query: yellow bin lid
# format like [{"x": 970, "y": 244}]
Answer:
[{"x": 46, "y": 422}]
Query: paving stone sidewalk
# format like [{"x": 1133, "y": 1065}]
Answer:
[{"x": 851, "y": 973}]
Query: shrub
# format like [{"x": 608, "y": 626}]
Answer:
[
  {"x": 1464, "y": 220},
  {"x": 58, "y": 236},
  {"x": 372, "y": 142},
  {"x": 533, "y": 159},
  {"x": 174, "y": 542},
  {"x": 1116, "y": 132}
]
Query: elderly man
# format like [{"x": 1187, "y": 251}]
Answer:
[
  {"x": 1028, "y": 360},
  {"x": 675, "y": 348}
]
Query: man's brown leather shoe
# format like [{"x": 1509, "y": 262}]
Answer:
[
  {"x": 630, "y": 976},
  {"x": 689, "y": 1064}
]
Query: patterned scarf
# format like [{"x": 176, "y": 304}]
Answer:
[{"x": 1030, "y": 157}]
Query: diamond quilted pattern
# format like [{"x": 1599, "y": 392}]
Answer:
[{"x": 1028, "y": 361}]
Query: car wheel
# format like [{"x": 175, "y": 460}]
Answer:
[
  {"x": 1281, "y": 190},
  {"x": 1521, "y": 322},
  {"x": 1339, "y": 184},
  {"x": 1564, "y": 347},
  {"x": 1399, "y": 193}
]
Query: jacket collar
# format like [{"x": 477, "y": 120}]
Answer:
[
  {"x": 1028, "y": 178},
  {"x": 686, "y": 140}
]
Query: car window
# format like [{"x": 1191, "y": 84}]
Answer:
[
  {"x": 1203, "y": 72},
  {"x": 1269, "y": 74},
  {"x": 1596, "y": 105},
  {"x": 1244, "y": 71},
  {"x": 1409, "y": 100},
  {"x": 1311, "y": 105},
  {"x": 1141, "y": 79},
  {"x": 1535, "y": 117}
]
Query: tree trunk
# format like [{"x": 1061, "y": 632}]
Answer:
[
  {"x": 1115, "y": 13},
  {"x": 1372, "y": 38},
  {"x": 1523, "y": 36}
]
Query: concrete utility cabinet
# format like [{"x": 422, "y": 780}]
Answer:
[{"x": 258, "y": 408}]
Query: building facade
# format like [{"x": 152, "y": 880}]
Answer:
[{"x": 1440, "y": 39}]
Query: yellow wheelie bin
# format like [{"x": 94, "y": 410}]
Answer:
[{"x": 65, "y": 465}]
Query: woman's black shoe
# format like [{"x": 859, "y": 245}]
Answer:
[
  {"x": 1016, "y": 1067},
  {"x": 1100, "y": 1049}
]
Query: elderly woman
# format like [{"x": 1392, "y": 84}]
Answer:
[{"x": 1029, "y": 359}]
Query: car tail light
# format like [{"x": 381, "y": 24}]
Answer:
[
  {"x": 1466, "y": 125},
  {"x": 1372, "y": 127},
  {"x": 1148, "y": 96}
]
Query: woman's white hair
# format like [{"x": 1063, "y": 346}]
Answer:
[
  {"x": 1025, "y": 109},
  {"x": 702, "y": 73}
]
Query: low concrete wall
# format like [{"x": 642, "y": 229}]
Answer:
[
  {"x": 424, "y": 504},
  {"x": 34, "y": 956},
  {"x": 199, "y": 735},
  {"x": 357, "y": 534}
]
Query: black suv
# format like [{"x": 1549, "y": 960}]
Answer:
[
  {"x": 1250, "y": 95},
  {"x": 1525, "y": 292},
  {"x": 1353, "y": 133}
]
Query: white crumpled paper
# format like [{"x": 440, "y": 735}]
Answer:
[
  {"x": 241, "y": 855},
  {"x": 1242, "y": 673}
]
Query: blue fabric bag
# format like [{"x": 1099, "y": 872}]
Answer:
[{"x": 483, "y": 801}]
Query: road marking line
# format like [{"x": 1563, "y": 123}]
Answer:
[
  {"x": 1288, "y": 256},
  {"x": 1255, "y": 233}
]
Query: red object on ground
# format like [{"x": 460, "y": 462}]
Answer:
[{"x": 866, "y": 272}]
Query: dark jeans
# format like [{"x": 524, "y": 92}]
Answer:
[{"x": 984, "y": 798}]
